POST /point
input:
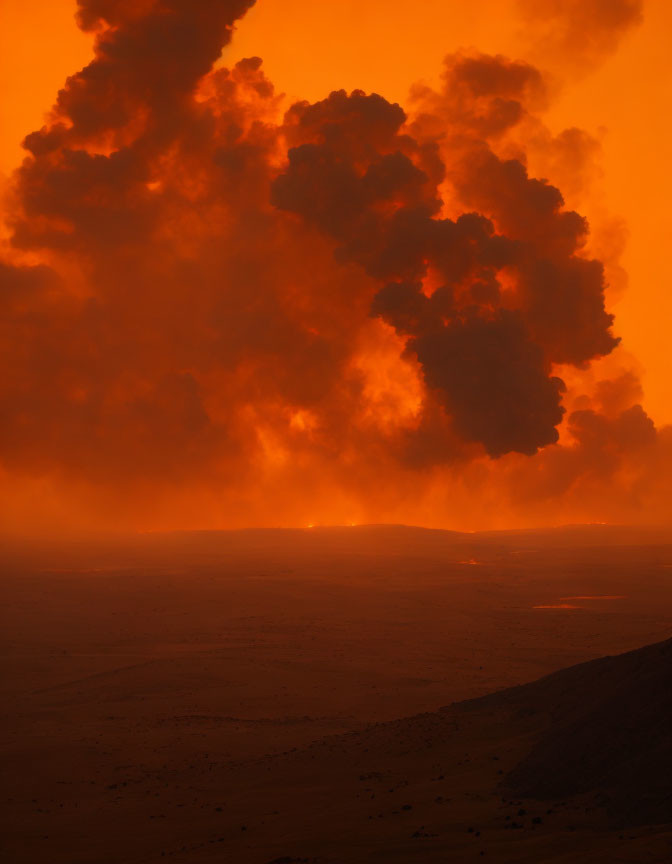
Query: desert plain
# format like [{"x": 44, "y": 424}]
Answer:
[{"x": 315, "y": 695}]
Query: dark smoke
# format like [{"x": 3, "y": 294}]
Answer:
[
  {"x": 486, "y": 352},
  {"x": 350, "y": 308}
]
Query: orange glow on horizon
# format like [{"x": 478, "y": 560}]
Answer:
[{"x": 557, "y": 606}]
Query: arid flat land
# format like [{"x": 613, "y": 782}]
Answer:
[{"x": 176, "y": 696}]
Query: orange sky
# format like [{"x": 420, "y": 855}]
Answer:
[
  {"x": 310, "y": 48},
  {"x": 379, "y": 46},
  {"x": 385, "y": 46}
]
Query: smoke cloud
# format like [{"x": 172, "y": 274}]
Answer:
[
  {"x": 216, "y": 314},
  {"x": 581, "y": 33}
]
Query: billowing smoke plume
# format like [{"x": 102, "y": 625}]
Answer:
[
  {"x": 485, "y": 351},
  {"x": 212, "y": 315},
  {"x": 580, "y": 33}
]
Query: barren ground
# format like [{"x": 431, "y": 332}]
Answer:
[{"x": 155, "y": 691}]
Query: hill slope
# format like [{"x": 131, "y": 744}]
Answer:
[{"x": 608, "y": 727}]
